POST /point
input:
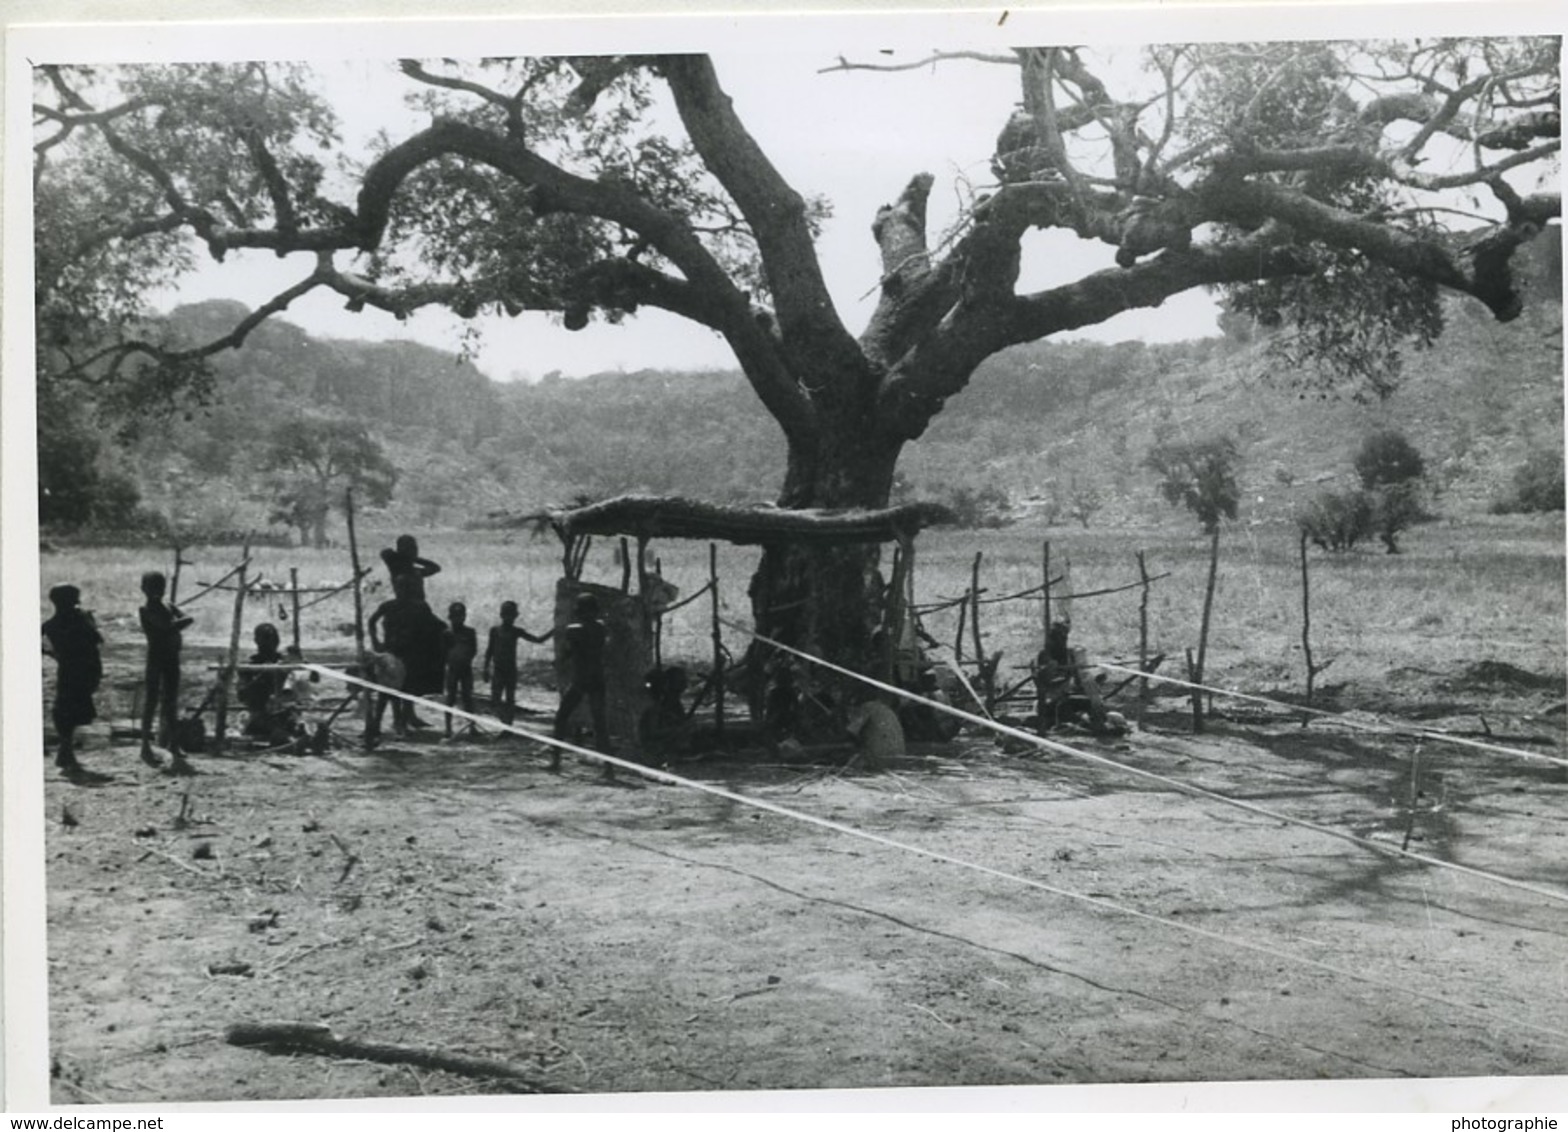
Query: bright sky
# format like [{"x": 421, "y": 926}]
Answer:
[{"x": 854, "y": 137}]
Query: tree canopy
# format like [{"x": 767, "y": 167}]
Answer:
[
  {"x": 1331, "y": 188},
  {"x": 1294, "y": 171},
  {"x": 314, "y": 462}
]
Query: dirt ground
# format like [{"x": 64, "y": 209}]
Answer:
[{"x": 457, "y": 898}]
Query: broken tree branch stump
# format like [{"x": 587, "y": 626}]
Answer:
[{"x": 307, "y": 1037}]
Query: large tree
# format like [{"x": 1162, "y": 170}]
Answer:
[
  {"x": 1316, "y": 181},
  {"x": 314, "y": 463}
]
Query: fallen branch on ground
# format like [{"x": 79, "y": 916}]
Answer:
[{"x": 294, "y": 1037}]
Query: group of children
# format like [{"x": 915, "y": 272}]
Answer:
[
  {"x": 420, "y": 655},
  {"x": 416, "y": 654},
  {"x": 71, "y": 636}
]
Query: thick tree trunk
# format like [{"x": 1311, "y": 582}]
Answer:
[{"x": 824, "y": 600}]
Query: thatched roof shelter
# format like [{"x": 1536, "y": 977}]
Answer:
[{"x": 649, "y": 517}]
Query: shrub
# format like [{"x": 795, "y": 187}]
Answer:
[
  {"x": 1537, "y": 485},
  {"x": 1386, "y": 458},
  {"x": 1337, "y": 520},
  {"x": 987, "y": 507}
]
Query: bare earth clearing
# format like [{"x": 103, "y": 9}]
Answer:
[{"x": 643, "y": 937}]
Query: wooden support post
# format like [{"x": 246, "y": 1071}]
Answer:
[
  {"x": 893, "y": 615},
  {"x": 174, "y": 579},
  {"x": 653, "y": 620},
  {"x": 626, "y": 566},
  {"x": 1066, "y": 604},
  {"x": 1045, "y": 589},
  {"x": 1306, "y": 620},
  {"x": 227, "y": 675},
  {"x": 718, "y": 642},
  {"x": 1415, "y": 793},
  {"x": 294, "y": 599},
  {"x": 1197, "y": 696},
  {"x": 958, "y": 638},
  {"x": 359, "y": 615},
  {"x": 987, "y": 684},
  {"x": 1208, "y": 603},
  {"x": 1143, "y": 637}
]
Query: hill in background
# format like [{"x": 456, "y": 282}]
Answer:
[{"x": 1039, "y": 424}]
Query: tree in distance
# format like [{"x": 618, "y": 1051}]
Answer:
[
  {"x": 1387, "y": 457},
  {"x": 1200, "y": 475},
  {"x": 1314, "y": 182},
  {"x": 1392, "y": 472},
  {"x": 1537, "y": 485},
  {"x": 314, "y": 464}
]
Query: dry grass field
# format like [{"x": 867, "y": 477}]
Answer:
[{"x": 455, "y": 899}]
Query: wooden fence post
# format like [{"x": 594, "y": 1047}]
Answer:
[
  {"x": 1143, "y": 637},
  {"x": 227, "y": 675},
  {"x": 294, "y": 600},
  {"x": 1066, "y": 602},
  {"x": 987, "y": 684},
  {"x": 1197, "y": 696},
  {"x": 1045, "y": 588},
  {"x": 174, "y": 580},
  {"x": 718, "y": 642},
  {"x": 359, "y": 617},
  {"x": 958, "y": 638}
]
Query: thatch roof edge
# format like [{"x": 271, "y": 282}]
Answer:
[{"x": 646, "y": 516}]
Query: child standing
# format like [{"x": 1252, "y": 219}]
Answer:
[
  {"x": 390, "y": 632},
  {"x": 461, "y": 645},
  {"x": 72, "y": 638},
  {"x": 163, "y": 625},
  {"x": 500, "y": 664},
  {"x": 583, "y": 653}
]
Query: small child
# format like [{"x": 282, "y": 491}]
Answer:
[
  {"x": 72, "y": 638},
  {"x": 163, "y": 626},
  {"x": 461, "y": 646},
  {"x": 258, "y": 691},
  {"x": 500, "y": 664},
  {"x": 582, "y": 650}
]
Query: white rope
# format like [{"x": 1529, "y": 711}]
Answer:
[
  {"x": 945, "y": 858},
  {"x": 1379, "y": 728},
  {"x": 962, "y": 679},
  {"x": 1198, "y": 791}
]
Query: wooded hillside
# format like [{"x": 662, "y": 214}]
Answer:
[{"x": 1477, "y": 404}]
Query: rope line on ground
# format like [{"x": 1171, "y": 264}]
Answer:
[
  {"x": 946, "y": 858},
  {"x": 1360, "y": 725},
  {"x": 1197, "y": 791}
]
